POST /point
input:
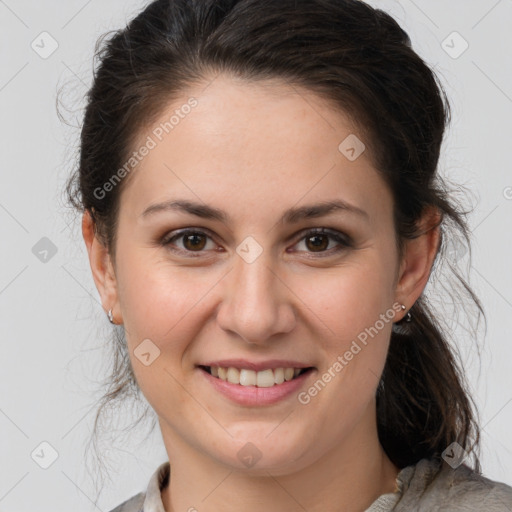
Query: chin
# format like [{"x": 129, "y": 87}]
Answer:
[{"x": 261, "y": 451}]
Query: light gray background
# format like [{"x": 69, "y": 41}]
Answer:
[{"x": 52, "y": 326}]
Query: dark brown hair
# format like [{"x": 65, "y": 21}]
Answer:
[{"x": 361, "y": 61}]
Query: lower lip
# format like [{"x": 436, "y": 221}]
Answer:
[{"x": 253, "y": 395}]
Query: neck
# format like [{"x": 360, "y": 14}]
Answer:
[{"x": 349, "y": 477}]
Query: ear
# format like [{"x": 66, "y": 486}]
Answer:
[
  {"x": 418, "y": 259},
  {"x": 101, "y": 266}
]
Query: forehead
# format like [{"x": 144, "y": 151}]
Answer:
[{"x": 264, "y": 142}]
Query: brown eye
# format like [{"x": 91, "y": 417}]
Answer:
[
  {"x": 188, "y": 241},
  {"x": 194, "y": 241},
  {"x": 324, "y": 242},
  {"x": 317, "y": 242}
]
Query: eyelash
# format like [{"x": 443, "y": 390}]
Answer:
[{"x": 344, "y": 240}]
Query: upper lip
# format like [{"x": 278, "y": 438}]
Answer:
[{"x": 256, "y": 366}]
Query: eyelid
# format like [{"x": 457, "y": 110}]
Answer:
[
  {"x": 344, "y": 241},
  {"x": 179, "y": 233}
]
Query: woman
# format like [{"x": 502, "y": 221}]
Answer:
[{"x": 262, "y": 213}]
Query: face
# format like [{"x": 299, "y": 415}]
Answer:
[{"x": 250, "y": 273}]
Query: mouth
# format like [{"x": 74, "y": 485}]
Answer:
[{"x": 266, "y": 378}]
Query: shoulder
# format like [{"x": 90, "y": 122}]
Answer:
[
  {"x": 151, "y": 498},
  {"x": 469, "y": 490},
  {"x": 134, "y": 504},
  {"x": 434, "y": 486}
]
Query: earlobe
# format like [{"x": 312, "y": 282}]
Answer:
[
  {"x": 418, "y": 259},
  {"x": 101, "y": 265}
]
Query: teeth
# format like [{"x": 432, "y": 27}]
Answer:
[
  {"x": 262, "y": 379},
  {"x": 279, "y": 375},
  {"x": 265, "y": 379},
  {"x": 288, "y": 373},
  {"x": 247, "y": 378},
  {"x": 233, "y": 376}
]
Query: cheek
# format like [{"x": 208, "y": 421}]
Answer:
[
  {"x": 349, "y": 298},
  {"x": 354, "y": 314},
  {"x": 161, "y": 301},
  {"x": 349, "y": 306},
  {"x": 162, "y": 304}
]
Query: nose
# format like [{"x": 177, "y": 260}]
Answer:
[{"x": 256, "y": 304}]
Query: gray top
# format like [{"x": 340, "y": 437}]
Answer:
[{"x": 419, "y": 489}]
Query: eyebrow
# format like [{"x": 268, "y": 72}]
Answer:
[{"x": 290, "y": 216}]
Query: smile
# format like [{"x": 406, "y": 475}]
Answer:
[{"x": 262, "y": 379}]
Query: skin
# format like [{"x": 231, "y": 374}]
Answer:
[{"x": 254, "y": 150}]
